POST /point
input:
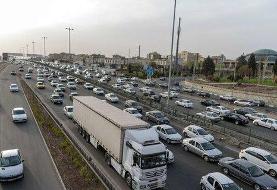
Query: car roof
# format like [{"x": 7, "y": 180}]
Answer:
[
  {"x": 195, "y": 127},
  {"x": 258, "y": 150},
  {"x": 69, "y": 106},
  {"x": 164, "y": 126},
  {"x": 222, "y": 179},
  {"x": 198, "y": 139},
  {"x": 8, "y": 153},
  {"x": 19, "y": 108},
  {"x": 244, "y": 163},
  {"x": 131, "y": 108},
  {"x": 155, "y": 111}
]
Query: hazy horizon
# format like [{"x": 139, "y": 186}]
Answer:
[{"x": 114, "y": 26}]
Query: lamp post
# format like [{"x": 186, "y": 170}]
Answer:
[
  {"x": 44, "y": 52},
  {"x": 69, "y": 41},
  {"x": 171, "y": 53}
]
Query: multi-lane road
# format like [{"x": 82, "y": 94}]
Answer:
[
  {"x": 39, "y": 170},
  {"x": 185, "y": 173}
]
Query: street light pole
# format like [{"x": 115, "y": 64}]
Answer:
[
  {"x": 44, "y": 38},
  {"x": 33, "y": 42},
  {"x": 171, "y": 54},
  {"x": 69, "y": 42},
  {"x": 27, "y": 50}
]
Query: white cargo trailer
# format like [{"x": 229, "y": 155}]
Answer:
[{"x": 132, "y": 147}]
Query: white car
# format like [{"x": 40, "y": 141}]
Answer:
[
  {"x": 98, "y": 91},
  {"x": 117, "y": 86},
  {"x": 40, "y": 79},
  {"x": 202, "y": 148},
  {"x": 174, "y": 94},
  {"x": 266, "y": 122},
  {"x": 13, "y": 88},
  {"x": 62, "y": 79},
  {"x": 11, "y": 165},
  {"x": 134, "y": 112},
  {"x": 253, "y": 116},
  {"x": 214, "y": 117},
  {"x": 88, "y": 86},
  {"x": 68, "y": 111},
  {"x": 102, "y": 80},
  {"x": 28, "y": 76},
  {"x": 128, "y": 86},
  {"x": 19, "y": 115},
  {"x": 111, "y": 97},
  {"x": 184, "y": 103},
  {"x": 196, "y": 131},
  {"x": 61, "y": 86},
  {"x": 217, "y": 181},
  {"x": 71, "y": 85},
  {"x": 54, "y": 83},
  {"x": 130, "y": 90},
  {"x": 98, "y": 75},
  {"x": 244, "y": 103},
  {"x": 170, "y": 156},
  {"x": 168, "y": 133},
  {"x": 262, "y": 158},
  {"x": 221, "y": 110},
  {"x": 143, "y": 89},
  {"x": 165, "y": 95}
]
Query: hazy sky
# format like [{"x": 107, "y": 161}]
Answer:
[{"x": 210, "y": 27}]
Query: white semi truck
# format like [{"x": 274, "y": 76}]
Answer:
[{"x": 131, "y": 147}]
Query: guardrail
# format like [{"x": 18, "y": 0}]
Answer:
[
  {"x": 172, "y": 112},
  {"x": 104, "y": 179}
]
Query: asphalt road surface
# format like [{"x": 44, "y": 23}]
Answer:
[
  {"x": 184, "y": 174},
  {"x": 39, "y": 170}
]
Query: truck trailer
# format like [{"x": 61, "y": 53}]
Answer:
[{"x": 131, "y": 147}]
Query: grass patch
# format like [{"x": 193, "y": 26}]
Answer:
[{"x": 75, "y": 172}]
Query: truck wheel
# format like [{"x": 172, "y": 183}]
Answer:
[
  {"x": 128, "y": 179},
  {"x": 225, "y": 171},
  {"x": 108, "y": 159},
  {"x": 168, "y": 141},
  {"x": 186, "y": 148},
  {"x": 236, "y": 122},
  {"x": 202, "y": 186},
  {"x": 257, "y": 187},
  {"x": 206, "y": 158},
  {"x": 88, "y": 138},
  {"x": 272, "y": 173},
  {"x": 80, "y": 130}
]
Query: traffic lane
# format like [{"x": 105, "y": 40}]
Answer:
[
  {"x": 58, "y": 109},
  {"x": 182, "y": 173},
  {"x": 39, "y": 170}
]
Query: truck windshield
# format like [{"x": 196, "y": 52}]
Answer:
[{"x": 152, "y": 161}]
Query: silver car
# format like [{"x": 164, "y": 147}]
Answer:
[{"x": 203, "y": 148}]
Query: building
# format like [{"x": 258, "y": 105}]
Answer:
[
  {"x": 153, "y": 56},
  {"x": 188, "y": 57},
  {"x": 95, "y": 59},
  {"x": 266, "y": 57},
  {"x": 11, "y": 56},
  {"x": 137, "y": 60},
  {"x": 218, "y": 59}
]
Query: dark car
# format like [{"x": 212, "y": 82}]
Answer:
[
  {"x": 248, "y": 173},
  {"x": 133, "y": 104},
  {"x": 259, "y": 103},
  {"x": 156, "y": 117},
  {"x": 148, "y": 93},
  {"x": 236, "y": 118},
  {"x": 176, "y": 88},
  {"x": 203, "y": 94},
  {"x": 155, "y": 97},
  {"x": 210, "y": 103},
  {"x": 21, "y": 69},
  {"x": 188, "y": 90},
  {"x": 245, "y": 110},
  {"x": 162, "y": 78},
  {"x": 13, "y": 73}
]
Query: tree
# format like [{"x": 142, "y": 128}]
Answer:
[
  {"x": 241, "y": 62},
  {"x": 252, "y": 64},
  {"x": 208, "y": 67},
  {"x": 275, "y": 68}
]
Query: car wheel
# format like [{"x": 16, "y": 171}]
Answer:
[
  {"x": 206, "y": 158},
  {"x": 168, "y": 141},
  {"x": 257, "y": 187},
  {"x": 186, "y": 148},
  {"x": 272, "y": 173},
  {"x": 202, "y": 186},
  {"x": 236, "y": 122},
  {"x": 272, "y": 128},
  {"x": 243, "y": 158},
  {"x": 225, "y": 171},
  {"x": 256, "y": 123}
]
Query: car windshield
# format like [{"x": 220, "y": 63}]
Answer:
[
  {"x": 158, "y": 114},
  {"x": 9, "y": 161},
  {"x": 152, "y": 161},
  {"x": 271, "y": 158},
  {"x": 207, "y": 146},
  {"x": 133, "y": 111},
  {"x": 202, "y": 132},
  {"x": 255, "y": 171},
  {"x": 13, "y": 85},
  {"x": 70, "y": 109},
  {"x": 18, "y": 112},
  {"x": 213, "y": 115},
  {"x": 249, "y": 110},
  {"x": 171, "y": 131},
  {"x": 230, "y": 186}
]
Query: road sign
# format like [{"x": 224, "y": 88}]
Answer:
[{"x": 150, "y": 71}]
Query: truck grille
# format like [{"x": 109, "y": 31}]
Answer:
[{"x": 154, "y": 173}]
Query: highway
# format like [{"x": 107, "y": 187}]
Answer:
[
  {"x": 185, "y": 173},
  {"x": 39, "y": 171}
]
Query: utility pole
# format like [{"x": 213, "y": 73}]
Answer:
[
  {"x": 139, "y": 52},
  {"x": 194, "y": 66},
  {"x": 177, "y": 47},
  {"x": 69, "y": 41},
  {"x": 171, "y": 53},
  {"x": 44, "y": 52},
  {"x": 33, "y": 42}
]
